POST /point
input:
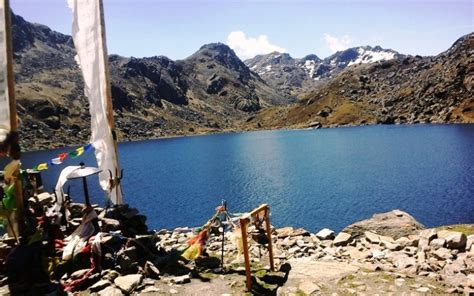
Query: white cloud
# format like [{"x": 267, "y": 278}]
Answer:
[
  {"x": 336, "y": 44},
  {"x": 248, "y": 47}
]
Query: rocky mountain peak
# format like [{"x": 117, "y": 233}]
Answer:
[
  {"x": 25, "y": 34},
  {"x": 360, "y": 55},
  {"x": 311, "y": 57},
  {"x": 219, "y": 53}
]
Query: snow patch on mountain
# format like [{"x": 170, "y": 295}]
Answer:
[
  {"x": 370, "y": 56},
  {"x": 310, "y": 66}
]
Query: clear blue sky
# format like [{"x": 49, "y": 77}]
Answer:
[{"x": 177, "y": 28}]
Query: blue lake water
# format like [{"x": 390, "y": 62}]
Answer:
[{"x": 310, "y": 178}]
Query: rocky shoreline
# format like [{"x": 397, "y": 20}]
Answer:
[
  {"x": 32, "y": 144},
  {"x": 390, "y": 253}
]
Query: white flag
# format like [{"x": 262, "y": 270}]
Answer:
[
  {"x": 4, "y": 102},
  {"x": 90, "y": 46}
]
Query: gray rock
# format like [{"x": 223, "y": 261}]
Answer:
[
  {"x": 151, "y": 271},
  {"x": 180, "y": 279},
  {"x": 423, "y": 244},
  {"x": 110, "y": 291},
  {"x": 294, "y": 250},
  {"x": 356, "y": 254},
  {"x": 413, "y": 239},
  {"x": 437, "y": 243},
  {"x": 128, "y": 283},
  {"x": 150, "y": 289},
  {"x": 403, "y": 241},
  {"x": 469, "y": 242},
  {"x": 442, "y": 254},
  {"x": 110, "y": 274},
  {"x": 342, "y": 239},
  {"x": 403, "y": 261},
  {"x": 100, "y": 285},
  {"x": 428, "y": 234},
  {"x": 423, "y": 290},
  {"x": 457, "y": 266},
  {"x": 394, "y": 224},
  {"x": 372, "y": 237},
  {"x": 420, "y": 257},
  {"x": 454, "y": 239},
  {"x": 325, "y": 234},
  {"x": 377, "y": 254},
  {"x": 392, "y": 246}
]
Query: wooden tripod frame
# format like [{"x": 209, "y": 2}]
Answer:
[{"x": 244, "y": 221}]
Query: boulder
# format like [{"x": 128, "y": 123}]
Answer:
[
  {"x": 428, "y": 234},
  {"x": 413, "y": 240},
  {"x": 469, "y": 242},
  {"x": 454, "y": 239},
  {"x": 356, "y": 254},
  {"x": 110, "y": 291},
  {"x": 392, "y": 246},
  {"x": 403, "y": 241},
  {"x": 402, "y": 261},
  {"x": 377, "y": 254},
  {"x": 284, "y": 232},
  {"x": 100, "y": 285},
  {"x": 290, "y": 232},
  {"x": 442, "y": 254},
  {"x": 325, "y": 234},
  {"x": 395, "y": 224},
  {"x": 342, "y": 239},
  {"x": 372, "y": 237},
  {"x": 180, "y": 279},
  {"x": 151, "y": 271},
  {"x": 437, "y": 243},
  {"x": 128, "y": 283}
]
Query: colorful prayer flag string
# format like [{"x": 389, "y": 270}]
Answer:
[{"x": 62, "y": 156}]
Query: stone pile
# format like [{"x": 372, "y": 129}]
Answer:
[{"x": 147, "y": 262}]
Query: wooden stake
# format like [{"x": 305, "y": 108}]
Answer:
[
  {"x": 269, "y": 236},
  {"x": 243, "y": 224},
  {"x": 11, "y": 95},
  {"x": 108, "y": 95},
  {"x": 243, "y": 228}
]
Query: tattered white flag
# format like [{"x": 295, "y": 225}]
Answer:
[
  {"x": 4, "y": 102},
  {"x": 90, "y": 46}
]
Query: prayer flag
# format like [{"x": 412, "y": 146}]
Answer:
[
  {"x": 63, "y": 156},
  {"x": 4, "y": 97},
  {"x": 80, "y": 151},
  {"x": 88, "y": 33},
  {"x": 42, "y": 166},
  {"x": 56, "y": 160}
]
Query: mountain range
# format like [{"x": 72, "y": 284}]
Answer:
[
  {"x": 295, "y": 76},
  {"x": 213, "y": 90}
]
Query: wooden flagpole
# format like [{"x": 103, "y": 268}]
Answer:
[
  {"x": 109, "y": 105},
  {"x": 13, "y": 115}
]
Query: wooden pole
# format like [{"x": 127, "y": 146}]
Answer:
[
  {"x": 243, "y": 228},
  {"x": 269, "y": 236},
  {"x": 11, "y": 98},
  {"x": 108, "y": 95}
]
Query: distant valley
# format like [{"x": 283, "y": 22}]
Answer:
[{"x": 214, "y": 91}]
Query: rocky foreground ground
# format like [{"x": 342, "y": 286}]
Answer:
[{"x": 389, "y": 254}]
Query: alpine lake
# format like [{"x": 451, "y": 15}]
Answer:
[{"x": 309, "y": 178}]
